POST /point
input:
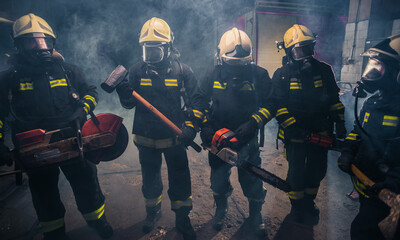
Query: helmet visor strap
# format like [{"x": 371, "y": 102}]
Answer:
[
  {"x": 374, "y": 70},
  {"x": 302, "y": 52},
  {"x": 153, "y": 53}
]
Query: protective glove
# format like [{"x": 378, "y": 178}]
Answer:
[
  {"x": 206, "y": 135},
  {"x": 5, "y": 157},
  {"x": 245, "y": 132},
  {"x": 344, "y": 162},
  {"x": 295, "y": 134},
  {"x": 187, "y": 136},
  {"x": 376, "y": 188},
  {"x": 340, "y": 130},
  {"x": 124, "y": 90}
]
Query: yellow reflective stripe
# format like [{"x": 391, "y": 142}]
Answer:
[
  {"x": 58, "y": 82},
  {"x": 25, "y": 86},
  {"x": 390, "y": 120},
  {"x": 171, "y": 82},
  {"x": 341, "y": 116},
  {"x": 281, "y": 134},
  {"x": 52, "y": 225},
  {"x": 1, "y": 124},
  {"x": 366, "y": 116},
  {"x": 178, "y": 204},
  {"x": 359, "y": 186},
  {"x": 1, "y": 135},
  {"x": 352, "y": 136},
  {"x": 145, "y": 82},
  {"x": 247, "y": 87},
  {"x": 95, "y": 214},
  {"x": 152, "y": 202},
  {"x": 92, "y": 99},
  {"x": 265, "y": 112},
  {"x": 86, "y": 107},
  {"x": 225, "y": 195},
  {"x": 311, "y": 191},
  {"x": 198, "y": 114},
  {"x": 153, "y": 143},
  {"x": 295, "y": 85},
  {"x": 296, "y": 195},
  {"x": 288, "y": 122},
  {"x": 257, "y": 118},
  {"x": 337, "y": 106},
  {"x": 189, "y": 124},
  {"x": 318, "y": 83},
  {"x": 218, "y": 85},
  {"x": 281, "y": 112}
]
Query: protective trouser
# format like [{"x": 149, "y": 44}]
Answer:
[
  {"x": 365, "y": 224},
  {"x": 46, "y": 197},
  {"x": 180, "y": 191},
  {"x": 220, "y": 172},
  {"x": 307, "y": 168}
]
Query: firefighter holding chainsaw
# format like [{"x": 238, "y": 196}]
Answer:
[
  {"x": 374, "y": 144},
  {"x": 308, "y": 106},
  {"x": 163, "y": 80},
  {"x": 235, "y": 93},
  {"x": 39, "y": 91}
]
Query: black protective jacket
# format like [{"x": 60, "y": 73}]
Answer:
[
  {"x": 164, "y": 89},
  {"x": 308, "y": 99},
  {"x": 234, "y": 96},
  {"x": 377, "y": 155},
  {"x": 40, "y": 97}
]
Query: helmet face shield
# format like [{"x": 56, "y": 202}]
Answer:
[
  {"x": 35, "y": 42},
  {"x": 375, "y": 70},
  {"x": 300, "y": 52},
  {"x": 238, "y": 56},
  {"x": 153, "y": 53}
]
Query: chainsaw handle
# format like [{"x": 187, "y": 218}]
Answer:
[{"x": 163, "y": 118}]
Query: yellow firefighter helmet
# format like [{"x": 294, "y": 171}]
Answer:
[
  {"x": 389, "y": 47},
  {"x": 155, "y": 30},
  {"x": 31, "y": 24},
  {"x": 235, "y": 47},
  {"x": 297, "y": 34}
]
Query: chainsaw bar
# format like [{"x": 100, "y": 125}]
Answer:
[{"x": 229, "y": 156}]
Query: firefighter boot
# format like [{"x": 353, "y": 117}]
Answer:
[
  {"x": 309, "y": 205},
  {"x": 102, "y": 227},
  {"x": 220, "y": 212},
  {"x": 58, "y": 234},
  {"x": 153, "y": 214},
  {"x": 254, "y": 222},
  {"x": 183, "y": 225},
  {"x": 297, "y": 210}
]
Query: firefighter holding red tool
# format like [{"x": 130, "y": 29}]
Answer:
[
  {"x": 40, "y": 91},
  {"x": 308, "y": 106},
  {"x": 235, "y": 93}
]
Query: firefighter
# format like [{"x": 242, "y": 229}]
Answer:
[
  {"x": 162, "y": 79},
  {"x": 308, "y": 106},
  {"x": 374, "y": 143},
  {"x": 235, "y": 95},
  {"x": 37, "y": 90}
]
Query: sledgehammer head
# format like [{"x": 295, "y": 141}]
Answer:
[{"x": 115, "y": 78}]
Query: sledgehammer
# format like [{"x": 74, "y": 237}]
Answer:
[
  {"x": 117, "y": 76},
  {"x": 388, "y": 226}
]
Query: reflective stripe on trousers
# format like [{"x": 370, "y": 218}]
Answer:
[
  {"x": 52, "y": 225},
  {"x": 152, "y": 202},
  {"x": 175, "y": 205},
  {"x": 96, "y": 214}
]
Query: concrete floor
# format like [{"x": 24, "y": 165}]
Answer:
[{"x": 121, "y": 183}]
